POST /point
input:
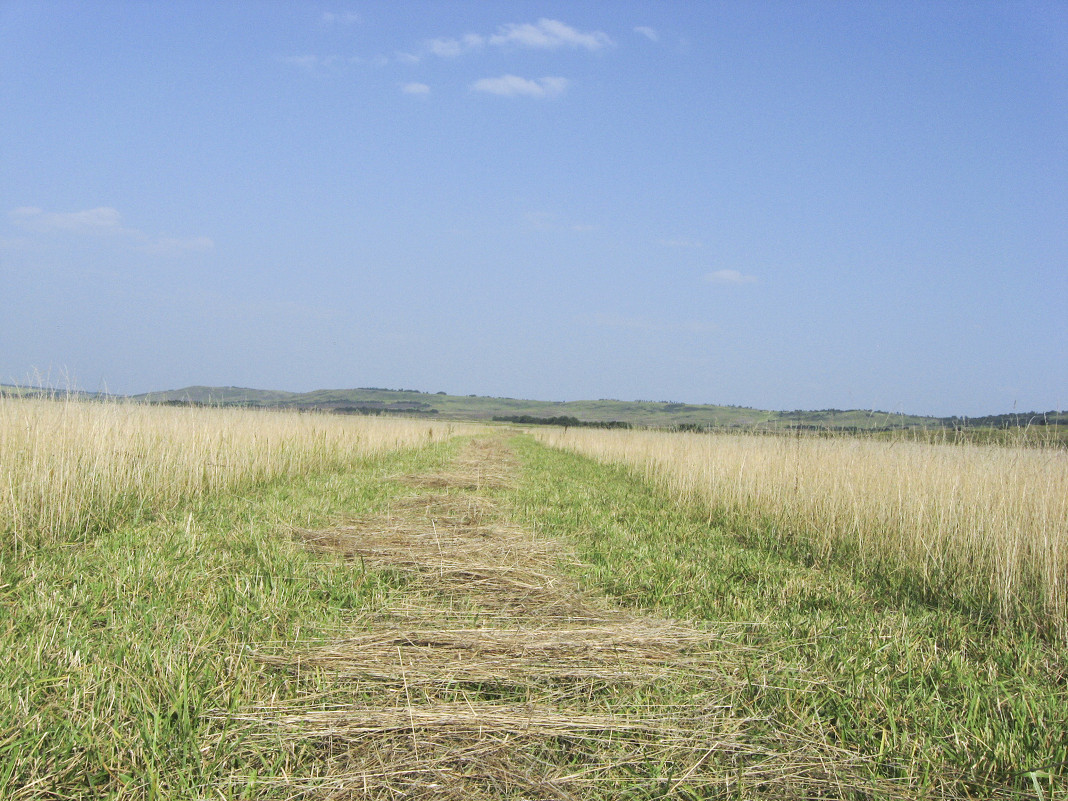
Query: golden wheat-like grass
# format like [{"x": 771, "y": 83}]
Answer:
[
  {"x": 987, "y": 522},
  {"x": 68, "y": 467}
]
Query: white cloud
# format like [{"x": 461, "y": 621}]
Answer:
[
  {"x": 450, "y": 48},
  {"x": 513, "y": 85},
  {"x": 311, "y": 63},
  {"x": 340, "y": 18},
  {"x": 101, "y": 220},
  {"x": 548, "y": 34},
  {"x": 415, "y": 89},
  {"x": 545, "y": 34},
  {"x": 374, "y": 61},
  {"x": 648, "y": 33},
  {"x": 729, "y": 277},
  {"x": 308, "y": 62},
  {"x": 104, "y": 221}
]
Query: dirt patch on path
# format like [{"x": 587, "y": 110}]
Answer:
[{"x": 505, "y": 679}]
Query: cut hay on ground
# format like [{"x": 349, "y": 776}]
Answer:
[
  {"x": 477, "y": 749},
  {"x": 500, "y": 678},
  {"x": 629, "y": 651},
  {"x": 455, "y": 545}
]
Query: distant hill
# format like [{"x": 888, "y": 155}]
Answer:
[
  {"x": 657, "y": 414},
  {"x": 472, "y": 407},
  {"x": 660, "y": 414}
]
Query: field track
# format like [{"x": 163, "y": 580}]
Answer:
[{"x": 502, "y": 678}]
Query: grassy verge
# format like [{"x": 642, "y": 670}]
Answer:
[
  {"x": 118, "y": 645},
  {"x": 948, "y": 706}
]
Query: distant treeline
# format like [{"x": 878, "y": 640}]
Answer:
[
  {"x": 370, "y": 407},
  {"x": 1014, "y": 420},
  {"x": 419, "y": 409},
  {"x": 207, "y": 404},
  {"x": 564, "y": 421}
]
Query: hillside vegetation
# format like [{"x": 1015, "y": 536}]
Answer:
[
  {"x": 653, "y": 414},
  {"x": 1033, "y": 428}
]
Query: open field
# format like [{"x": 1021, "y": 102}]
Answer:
[{"x": 388, "y": 608}]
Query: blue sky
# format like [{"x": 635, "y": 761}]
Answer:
[{"x": 782, "y": 205}]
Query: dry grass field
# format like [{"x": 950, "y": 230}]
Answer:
[
  {"x": 71, "y": 468},
  {"x": 985, "y": 524}
]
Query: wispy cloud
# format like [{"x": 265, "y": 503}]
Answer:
[
  {"x": 513, "y": 86},
  {"x": 651, "y": 326},
  {"x": 101, "y": 220},
  {"x": 415, "y": 89},
  {"x": 450, "y": 48},
  {"x": 104, "y": 221},
  {"x": 648, "y": 33},
  {"x": 545, "y": 34},
  {"x": 548, "y": 34},
  {"x": 340, "y": 18},
  {"x": 729, "y": 277}
]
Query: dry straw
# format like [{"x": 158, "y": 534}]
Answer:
[
  {"x": 555, "y": 658},
  {"x": 69, "y": 467},
  {"x": 479, "y": 749},
  {"x": 454, "y": 549},
  {"x": 988, "y": 524}
]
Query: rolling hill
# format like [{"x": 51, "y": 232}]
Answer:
[{"x": 642, "y": 413}]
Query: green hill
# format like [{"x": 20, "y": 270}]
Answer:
[
  {"x": 655, "y": 414},
  {"x": 471, "y": 407}
]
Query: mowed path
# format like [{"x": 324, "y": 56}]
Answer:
[{"x": 500, "y": 677}]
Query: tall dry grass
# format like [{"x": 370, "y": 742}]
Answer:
[
  {"x": 70, "y": 467},
  {"x": 984, "y": 526}
]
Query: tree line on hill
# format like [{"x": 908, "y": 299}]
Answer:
[{"x": 563, "y": 420}]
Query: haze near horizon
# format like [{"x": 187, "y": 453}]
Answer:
[{"x": 775, "y": 205}]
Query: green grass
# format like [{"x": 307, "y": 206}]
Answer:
[
  {"x": 118, "y": 649},
  {"x": 948, "y": 704}
]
